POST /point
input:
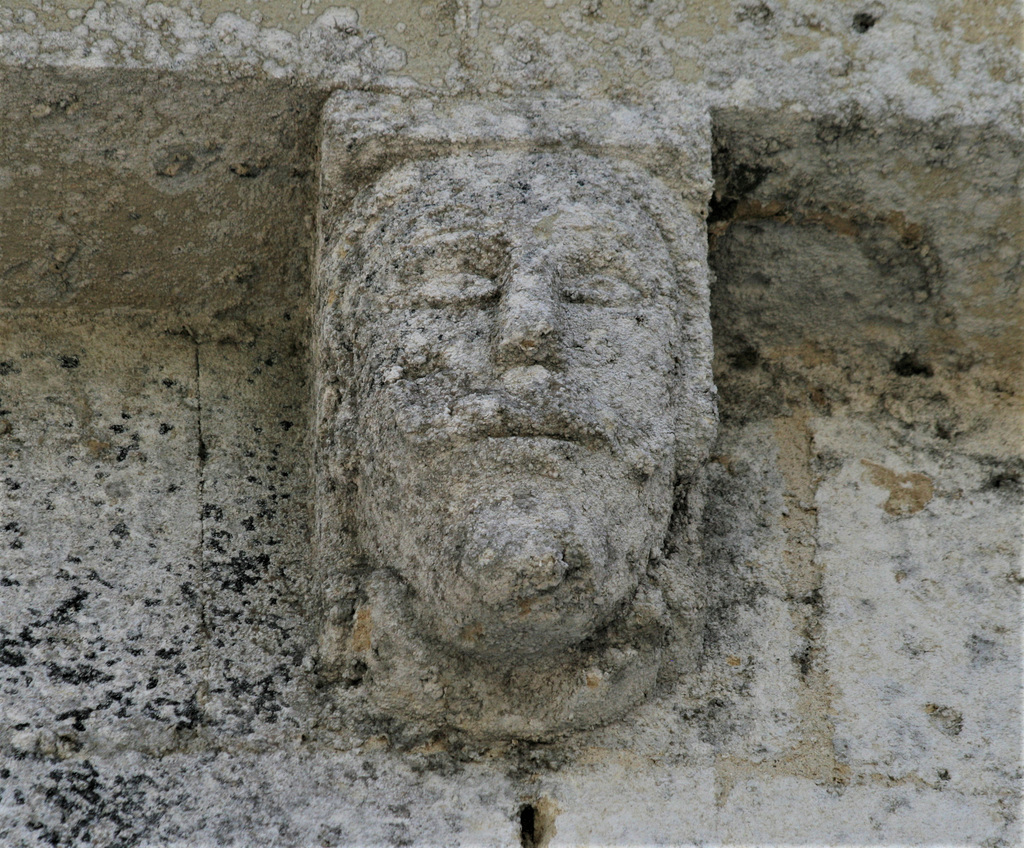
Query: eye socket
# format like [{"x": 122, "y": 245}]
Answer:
[
  {"x": 460, "y": 289},
  {"x": 601, "y": 290}
]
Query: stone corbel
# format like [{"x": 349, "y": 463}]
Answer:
[{"x": 514, "y": 402}]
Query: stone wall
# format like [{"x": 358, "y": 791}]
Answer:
[{"x": 860, "y": 680}]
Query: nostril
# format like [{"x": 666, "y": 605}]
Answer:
[
  {"x": 528, "y": 341},
  {"x": 526, "y": 336}
]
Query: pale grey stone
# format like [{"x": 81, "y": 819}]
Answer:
[
  {"x": 100, "y": 617},
  {"x": 921, "y": 559},
  {"x": 287, "y": 798},
  {"x": 794, "y": 810},
  {"x": 515, "y": 390},
  {"x": 865, "y": 236}
]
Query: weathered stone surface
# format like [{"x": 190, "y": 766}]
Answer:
[
  {"x": 255, "y": 515},
  {"x": 514, "y": 406},
  {"x": 922, "y": 631},
  {"x": 288, "y": 798},
  {"x": 102, "y": 588},
  {"x": 147, "y": 191},
  {"x": 859, "y": 681},
  {"x": 792, "y": 810},
  {"x": 173, "y": 495}
]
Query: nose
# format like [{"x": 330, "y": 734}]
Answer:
[{"x": 528, "y": 320}]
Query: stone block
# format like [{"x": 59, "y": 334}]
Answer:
[
  {"x": 921, "y": 553},
  {"x": 100, "y": 589},
  {"x": 254, "y": 517}
]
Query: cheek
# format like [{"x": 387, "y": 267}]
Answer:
[
  {"x": 431, "y": 341},
  {"x": 464, "y": 341},
  {"x": 627, "y": 341}
]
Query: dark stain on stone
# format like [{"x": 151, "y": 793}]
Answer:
[
  {"x": 168, "y": 653},
  {"x": 759, "y": 14},
  {"x": 243, "y": 570},
  {"x": 68, "y": 608},
  {"x": 79, "y": 716},
  {"x": 804, "y": 660},
  {"x": 189, "y": 714},
  {"x": 746, "y": 358},
  {"x": 89, "y": 805},
  {"x": 1007, "y": 479},
  {"x": 863, "y": 21},
  {"x": 267, "y": 699},
  {"x": 948, "y": 720},
  {"x": 218, "y": 541},
  {"x": 734, "y": 181},
  {"x": 8, "y": 657},
  {"x": 80, "y": 674},
  {"x": 212, "y": 511},
  {"x": 909, "y": 365}
]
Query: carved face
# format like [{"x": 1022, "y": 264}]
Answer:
[{"x": 514, "y": 328}]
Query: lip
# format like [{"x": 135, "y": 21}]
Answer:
[
  {"x": 521, "y": 421},
  {"x": 560, "y": 417},
  {"x": 531, "y": 441}
]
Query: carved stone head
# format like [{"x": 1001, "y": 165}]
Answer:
[{"x": 526, "y": 383}]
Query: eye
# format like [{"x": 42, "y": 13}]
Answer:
[
  {"x": 460, "y": 289},
  {"x": 600, "y": 290}
]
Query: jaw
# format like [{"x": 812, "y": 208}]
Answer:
[
  {"x": 530, "y": 574},
  {"x": 513, "y": 546}
]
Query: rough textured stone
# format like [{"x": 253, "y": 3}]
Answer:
[
  {"x": 101, "y": 617},
  {"x": 922, "y": 633},
  {"x": 859, "y": 681},
  {"x": 514, "y": 358}
]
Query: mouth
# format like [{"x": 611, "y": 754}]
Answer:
[
  {"x": 537, "y": 432},
  {"x": 503, "y": 417},
  {"x": 429, "y": 412}
]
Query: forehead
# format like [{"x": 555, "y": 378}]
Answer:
[{"x": 553, "y": 199}]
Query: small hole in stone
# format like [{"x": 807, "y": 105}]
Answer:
[
  {"x": 356, "y": 674},
  {"x": 528, "y": 826},
  {"x": 745, "y": 358},
  {"x": 908, "y": 365},
  {"x": 537, "y": 823},
  {"x": 863, "y": 21},
  {"x": 1003, "y": 480}
]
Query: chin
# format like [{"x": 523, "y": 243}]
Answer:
[{"x": 533, "y": 578}]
